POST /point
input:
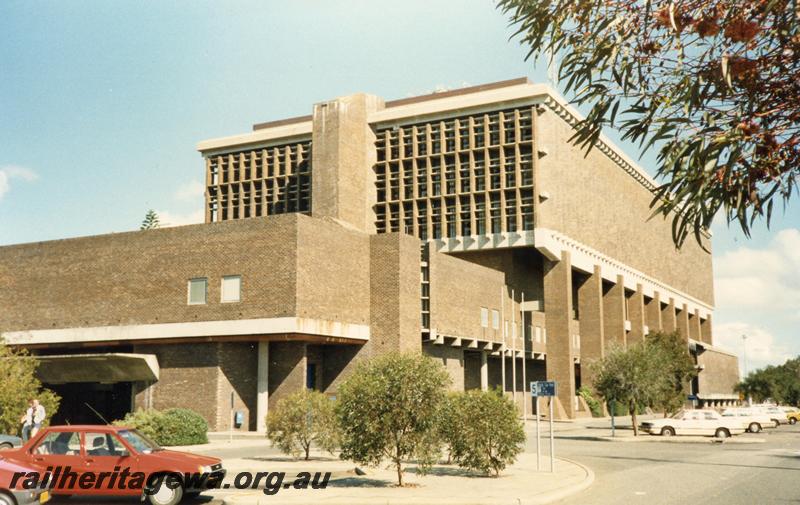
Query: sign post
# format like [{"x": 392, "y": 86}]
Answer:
[
  {"x": 548, "y": 389},
  {"x": 230, "y": 437}
]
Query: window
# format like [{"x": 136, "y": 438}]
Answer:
[
  {"x": 103, "y": 444},
  {"x": 231, "y": 288},
  {"x": 539, "y": 334},
  {"x": 61, "y": 443},
  {"x": 484, "y": 317},
  {"x": 198, "y": 291},
  {"x": 495, "y": 319}
]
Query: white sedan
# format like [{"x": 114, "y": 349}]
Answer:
[
  {"x": 694, "y": 422},
  {"x": 752, "y": 420}
]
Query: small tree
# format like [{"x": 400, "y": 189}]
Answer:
[
  {"x": 490, "y": 434},
  {"x": 300, "y": 420},
  {"x": 628, "y": 375},
  {"x": 388, "y": 409},
  {"x": 675, "y": 366},
  {"x": 449, "y": 423},
  {"x": 150, "y": 221},
  {"x": 19, "y": 383}
]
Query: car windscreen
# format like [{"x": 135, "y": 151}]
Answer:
[{"x": 139, "y": 441}]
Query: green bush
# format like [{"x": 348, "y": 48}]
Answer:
[
  {"x": 300, "y": 420},
  {"x": 389, "y": 409},
  {"x": 19, "y": 383},
  {"x": 594, "y": 405},
  {"x": 490, "y": 434},
  {"x": 170, "y": 427}
]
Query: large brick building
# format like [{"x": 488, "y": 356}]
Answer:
[{"x": 462, "y": 224}]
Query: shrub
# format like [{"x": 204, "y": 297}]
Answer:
[
  {"x": 594, "y": 405},
  {"x": 491, "y": 434},
  {"x": 170, "y": 427},
  {"x": 449, "y": 423},
  {"x": 388, "y": 408},
  {"x": 19, "y": 383},
  {"x": 300, "y": 420}
]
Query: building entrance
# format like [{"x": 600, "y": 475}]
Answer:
[{"x": 91, "y": 402}]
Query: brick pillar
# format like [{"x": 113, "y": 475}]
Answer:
[
  {"x": 590, "y": 308},
  {"x": 695, "y": 330},
  {"x": 668, "y": 320},
  {"x": 705, "y": 330},
  {"x": 636, "y": 315},
  {"x": 262, "y": 387},
  {"x": 484, "y": 371},
  {"x": 683, "y": 322},
  {"x": 287, "y": 369},
  {"x": 558, "y": 310},
  {"x": 343, "y": 155},
  {"x": 614, "y": 313},
  {"x": 653, "y": 310}
]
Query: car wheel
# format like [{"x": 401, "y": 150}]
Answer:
[
  {"x": 777, "y": 423},
  {"x": 5, "y": 446},
  {"x": 722, "y": 433},
  {"x": 6, "y": 500},
  {"x": 667, "y": 431},
  {"x": 792, "y": 420},
  {"x": 754, "y": 428},
  {"x": 166, "y": 496}
]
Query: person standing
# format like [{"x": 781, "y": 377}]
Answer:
[
  {"x": 38, "y": 416},
  {"x": 27, "y": 422}
]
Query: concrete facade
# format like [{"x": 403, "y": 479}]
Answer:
[{"x": 462, "y": 224}]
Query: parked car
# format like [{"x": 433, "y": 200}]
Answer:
[
  {"x": 777, "y": 415},
  {"x": 752, "y": 420},
  {"x": 9, "y": 496},
  {"x": 792, "y": 414},
  {"x": 9, "y": 442},
  {"x": 694, "y": 422},
  {"x": 101, "y": 449}
]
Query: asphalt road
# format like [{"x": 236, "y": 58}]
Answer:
[{"x": 653, "y": 473}]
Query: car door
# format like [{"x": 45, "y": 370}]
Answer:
[
  {"x": 107, "y": 458},
  {"x": 61, "y": 450}
]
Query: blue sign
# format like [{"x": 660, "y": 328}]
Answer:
[
  {"x": 543, "y": 388},
  {"x": 692, "y": 397}
]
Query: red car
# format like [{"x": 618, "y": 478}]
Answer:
[
  {"x": 11, "y": 496},
  {"x": 115, "y": 461}
]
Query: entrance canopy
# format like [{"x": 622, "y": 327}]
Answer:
[{"x": 105, "y": 368}]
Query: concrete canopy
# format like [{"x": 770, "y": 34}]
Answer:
[{"x": 104, "y": 368}]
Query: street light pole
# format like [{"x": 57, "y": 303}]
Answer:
[{"x": 744, "y": 348}]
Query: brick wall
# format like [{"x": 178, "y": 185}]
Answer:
[
  {"x": 720, "y": 373},
  {"x": 452, "y": 359}
]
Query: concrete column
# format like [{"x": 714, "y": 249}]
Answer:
[
  {"x": 262, "y": 387},
  {"x": 695, "y": 329},
  {"x": 668, "y": 320},
  {"x": 558, "y": 310},
  {"x": 590, "y": 308},
  {"x": 614, "y": 313},
  {"x": 653, "y": 310},
  {"x": 343, "y": 155},
  {"x": 484, "y": 372},
  {"x": 636, "y": 315},
  {"x": 705, "y": 330},
  {"x": 683, "y": 322}
]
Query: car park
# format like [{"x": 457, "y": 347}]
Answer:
[
  {"x": 108, "y": 449},
  {"x": 694, "y": 422},
  {"x": 9, "y": 442},
  {"x": 12, "y": 495},
  {"x": 752, "y": 420}
]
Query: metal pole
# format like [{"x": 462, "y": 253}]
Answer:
[
  {"x": 513, "y": 350},
  {"x": 503, "y": 346},
  {"x": 552, "y": 442},
  {"x": 538, "y": 439},
  {"x": 744, "y": 345},
  {"x": 613, "y": 427}
]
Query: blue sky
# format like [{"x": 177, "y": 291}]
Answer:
[{"x": 102, "y": 104}]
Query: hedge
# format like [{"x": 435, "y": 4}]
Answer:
[{"x": 169, "y": 427}]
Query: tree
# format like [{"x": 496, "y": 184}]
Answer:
[
  {"x": 780, "y": 383},
  {"x": 19, "y": 383},
  {"x": 150, "y": 221},
  {"x": 388, "y": 409},
  {"x": 628, "y": 375},
  {"x": 711, "y": 83},
  {"x": 300, "y": 420},
  {"x": 490, "y": 434},
  {"x": 675, "y": 365}
]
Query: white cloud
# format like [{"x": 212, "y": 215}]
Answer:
[
  {"x": 192, "y": 191},
  {"x": 168, "y": 219},
  {"x": 762, "y": 347},
  {"x": 10, "y": 172},
  {"x": 766, "y": 278}
]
